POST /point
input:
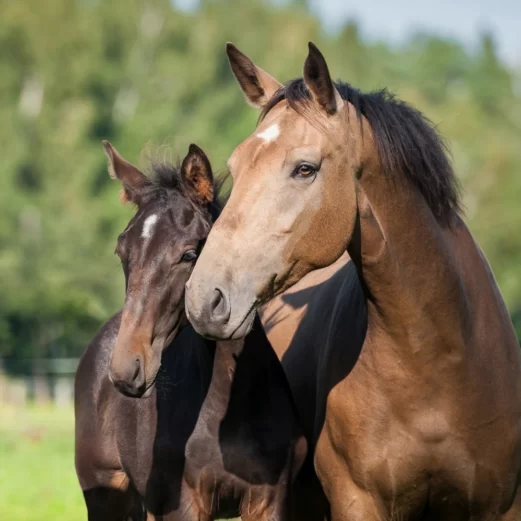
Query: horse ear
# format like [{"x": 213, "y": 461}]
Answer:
[
  {"x": 197, "y": 172},
  {"x": 257, "y": 85},
  {"x": 318, "y": 81},
  {"x": 132, "y": 180}
]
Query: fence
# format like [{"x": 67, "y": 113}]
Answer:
[{"x": 40, "y": 380}]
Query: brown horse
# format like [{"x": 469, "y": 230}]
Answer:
[
  {"x": 419, "y": 371},
  {"x": 216, "y": 433}
]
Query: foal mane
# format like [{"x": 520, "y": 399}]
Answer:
[
  {"x": 406, "y": 141},
  {"x": 165, "y": 180}
]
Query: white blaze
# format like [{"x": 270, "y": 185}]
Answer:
[
  {"x": 148, "y": 226},
  {"x": 270, "y": 133}
]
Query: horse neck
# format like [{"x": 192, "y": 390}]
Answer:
[{"x": 408, "y": 266}]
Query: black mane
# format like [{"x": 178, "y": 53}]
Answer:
[{"x": 406, "y": 141}]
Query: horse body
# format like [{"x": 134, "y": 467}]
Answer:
[
  {"x": 445, "y": 413},
  {"x": 295, "y": 323},
  {"x": 391, "y": 418},
  {"x": 429, "y": 424},
  {"x": 413, "y": 359}
]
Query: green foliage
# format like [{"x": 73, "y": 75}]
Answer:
[{"x": 142, "y": 72}]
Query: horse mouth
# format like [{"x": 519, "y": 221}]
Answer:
[
  {"x": 276, "y": 285},
  {"x": 246, "y": 323},
  {"x": 149, "y": 387}
]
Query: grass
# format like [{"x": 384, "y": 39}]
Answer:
[{"x": 37, "y": 476}]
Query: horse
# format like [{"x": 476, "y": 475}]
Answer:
[
  {"x": 215, "y": 433},
  {"x": 416, "y": 384}
]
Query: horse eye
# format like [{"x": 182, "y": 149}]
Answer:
[
  {"x": 189, "y": 256},
  {"x": 305, "y": 170}
]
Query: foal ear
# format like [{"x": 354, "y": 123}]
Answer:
[
  {"x": 318, "y": 81},
  {"x": 132, "y": 180},
  {"x": 197, "y": 172},
  {"x": 257, "y": 85}
]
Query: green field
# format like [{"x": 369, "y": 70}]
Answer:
[{"x": 37, "y": 477}]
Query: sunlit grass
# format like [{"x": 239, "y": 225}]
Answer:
[{"x": 37, "y": 476}]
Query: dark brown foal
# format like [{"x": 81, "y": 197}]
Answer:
[{"x": 215, "y": 433}]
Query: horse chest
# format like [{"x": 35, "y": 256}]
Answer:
[{"x": 416, "y": 461}]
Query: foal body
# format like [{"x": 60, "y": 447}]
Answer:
[
  {"x": 215, "y": 433},
  {"x": 216, "y": 438}
]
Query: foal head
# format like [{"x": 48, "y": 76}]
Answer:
[
  {"x": 158, "y": 249},
  {"x": 295, "y": 197}
]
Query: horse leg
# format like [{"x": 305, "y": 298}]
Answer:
[
  {"x": 349, "y": 503},
  {"x": 308, "y": 501},
  {"x": 347, "y": 500},
  {"x": 297, "y": 497},
  {"x": 265, "y": 503},
  {"x": 514, "y": 513},
  {"x": 189, "y": 505}
]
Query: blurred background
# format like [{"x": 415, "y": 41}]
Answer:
[{"x": 152, "y": 75}]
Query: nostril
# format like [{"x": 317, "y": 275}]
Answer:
[
  {"x": 220, "y": 308},
  {"x": 217, "y": 299},
  {"x": 137, "y": 370}
]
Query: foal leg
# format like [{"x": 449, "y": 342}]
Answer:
[
  {"x": 292, "y": 499},
  {"x": 114, "y": 503},
  {"x": 189, "y": 505},
  {"x": 264, "y": 503},
  {"x": 308, "y": 501}
]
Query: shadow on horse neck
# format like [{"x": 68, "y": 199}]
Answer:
[{"x": 313, "y": 349}]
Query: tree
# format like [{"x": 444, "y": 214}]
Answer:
[{"x": 142, "y": 72}]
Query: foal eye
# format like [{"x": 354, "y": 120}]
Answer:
[
  {"x": 305, "y": 170},
  {"x": 189, "y": 256}
]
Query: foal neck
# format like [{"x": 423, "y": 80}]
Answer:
[
  {"x": 224, "y": 366},
  {"x": 240, "y": 371}
]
